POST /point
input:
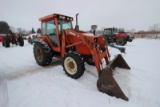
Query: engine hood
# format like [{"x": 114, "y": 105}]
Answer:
[
  {"x": 120, "y": 35},
  {"x": 88, "y": 37}
]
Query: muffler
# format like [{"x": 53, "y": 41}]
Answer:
[{"x": 107, "y": 84}]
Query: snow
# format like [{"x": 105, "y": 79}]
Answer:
[{"x": 23, "y": 83}]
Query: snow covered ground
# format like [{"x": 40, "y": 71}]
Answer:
[{"x": 25, "y": 84}]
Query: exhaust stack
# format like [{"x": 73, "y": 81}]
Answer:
[{"x": 77, "y": 26}]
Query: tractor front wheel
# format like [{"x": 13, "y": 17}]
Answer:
[{"x": 73, "y": 65}]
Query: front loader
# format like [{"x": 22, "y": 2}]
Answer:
[{"x": 59, "y": 39}]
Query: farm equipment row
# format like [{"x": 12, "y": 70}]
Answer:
[{"x": 8, "y": 39}]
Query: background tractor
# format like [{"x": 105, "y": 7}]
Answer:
[
  {"x": 7, "y": 39},
  {"x": 116, "y": 35},
  {"x": 109, "y": 41},
  {"x": 59, "y": 39}
]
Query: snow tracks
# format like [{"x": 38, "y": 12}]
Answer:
[{"x": 3, "y": 92}]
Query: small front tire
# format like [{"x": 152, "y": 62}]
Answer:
[{"x": 73, "y": 65}]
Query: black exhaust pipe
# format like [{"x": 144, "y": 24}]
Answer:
[{"x": 77, "y": 26}]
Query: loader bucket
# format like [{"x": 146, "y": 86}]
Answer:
[{"x": 107, "y": 84}]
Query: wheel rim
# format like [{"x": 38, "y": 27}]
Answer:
[
  {"x": 70, "y": 65},
  {"x": 38, "y": 54}
]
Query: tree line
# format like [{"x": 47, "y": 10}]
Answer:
[{"x": 6, "y": 29}]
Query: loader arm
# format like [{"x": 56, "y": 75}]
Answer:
[
  {"x": 106, "y": 83},
  {"x": 97, "y": 56},
  {"x": 99, "y": 51}
]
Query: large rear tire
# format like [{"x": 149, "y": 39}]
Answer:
[
  {"x": 73, "y": 65},
  {"x": 42, "y": 53},
  {"x": 21, "y": 41},
  {"x": 121, "y": 41},
  {"x": 6, "y": 42}
]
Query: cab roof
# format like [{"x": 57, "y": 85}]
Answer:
[
  {"x": 55, "y": 15},
  {"x": 108, "y": 28}
]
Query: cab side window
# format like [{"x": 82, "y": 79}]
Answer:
[{"x": 50, "y": 29}]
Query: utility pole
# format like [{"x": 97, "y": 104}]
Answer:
[{"x": 155, "y": 29}]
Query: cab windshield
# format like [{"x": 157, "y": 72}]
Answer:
[
  {"x": 49, "y": 27},
  {"x": 63, "y": 25}
]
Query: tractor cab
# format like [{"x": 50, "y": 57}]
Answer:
[
  {"x": 53, "y": 25},
  {"x": 108, "y": 34},
  {"x": 111, "y": 31}
]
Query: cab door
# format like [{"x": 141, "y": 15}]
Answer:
[
  {"x": 49, "y": 29},
  {"x": 108, "y": 35}
]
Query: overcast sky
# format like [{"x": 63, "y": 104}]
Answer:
[{"x": 128, "y": 14}]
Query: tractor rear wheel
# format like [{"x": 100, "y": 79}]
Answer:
[
  {"x": 21, "y": 41},
  {"x": 73, "y": 65},
  {"x": 121, "y": 41},
  {"x": 6, "y": 42},
  {"x": 42, "y": 53}
]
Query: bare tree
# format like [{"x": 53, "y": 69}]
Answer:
[
  {"x": 155, "y": 29},
  {"x": 21, "y": 31},
  {"x": 133, "y": 30},
  {"x": 13, "y": 29}
]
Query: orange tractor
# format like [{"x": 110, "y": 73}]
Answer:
[{"x": 59, "y": 39}]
